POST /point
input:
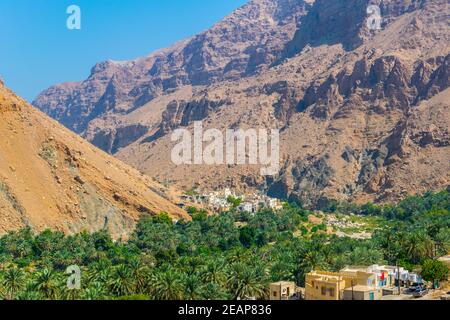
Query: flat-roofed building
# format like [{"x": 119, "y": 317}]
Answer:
[
  {"x": 362, "y": 293},
  {"x": 374, "y": 275},
  {"x": 352, "y": 282},
  {"x": 283, "y": 290},
  {"x": 323, "y": 285}
]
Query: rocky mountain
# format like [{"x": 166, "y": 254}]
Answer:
[
  {"x": 240, "y": 45},
  {"x": 51, "y": 178},
  {"x": 363, "y": 113}
]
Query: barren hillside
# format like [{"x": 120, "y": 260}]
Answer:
[{"x": 51, "y": 178}]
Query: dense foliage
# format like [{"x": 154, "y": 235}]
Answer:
[{"x": 228, "y": 256}]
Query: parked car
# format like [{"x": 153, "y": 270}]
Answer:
[
  {"x": 412, "y": 289},
  {"x": 420, "y": 292},
  {"x": 415, "y": 287}
]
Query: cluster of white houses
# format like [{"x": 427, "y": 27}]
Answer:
[{"x": 218, "y": 201}]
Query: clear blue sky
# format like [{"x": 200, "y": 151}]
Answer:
[{"x": 37, "y": 50}]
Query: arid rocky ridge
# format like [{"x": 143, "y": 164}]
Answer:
[
  {"x": 52, "y": 178},
  {"x": 363, "y": 114}
]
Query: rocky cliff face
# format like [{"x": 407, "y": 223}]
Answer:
[
  {"x": 240, "y": 45},
  {"x": 344, "y": 22},
  {"x": 364, "y": 114},
  {"x": 51, "y": 178}
]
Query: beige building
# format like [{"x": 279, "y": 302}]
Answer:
[
  {"x": 355, "y": 282},
  {"x": 283, "y": 290},
  {"x": 322, "y": 285},
  {"x": 362, "y": 293}
]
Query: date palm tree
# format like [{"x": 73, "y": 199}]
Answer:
[
  {"x": 443, "y": 241},
  {"x": 71, "y": 294},
  {"x": 246, "y": 282},
  {"x": 167, "y": 285},
  {"x": 312, "y": 260},
  {"x": 95, "y": 291},
  {"x": 193, "y": 287},
  {"x": 121, "y": 282},
  {"x": 418, "y": 245},
  {"x": 214, "y": 272},
  {"x": 99, "y": 271},
  {"x": 13, "y": 281},
  {"x": 139, "y": 274},
  {"x": 47, "y": 284}
]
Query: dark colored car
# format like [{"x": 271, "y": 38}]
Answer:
[
  {"x": 411, "y": 289},
  {"x": 420, "y": 292}
]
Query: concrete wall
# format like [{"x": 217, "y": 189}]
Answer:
[{"x": 361, "y": 295}]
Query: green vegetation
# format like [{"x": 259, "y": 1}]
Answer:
[
  {"x": 197, "y": 214},
  {"x": 228, "y": 256},
  {"x": 191, "y": 192},
  {"x": 49, "y": 154},
  {"x": 434, "y": 270},
  {"x": 235, "y": 202}
]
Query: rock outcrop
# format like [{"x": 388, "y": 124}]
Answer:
[
  {"x": 363, "y": 114},
  {"x": 243, "y": 43}
]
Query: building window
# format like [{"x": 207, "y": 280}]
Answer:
[
  {"x": 331, "y": 292},
  {"x": 274, "y": 293},
  {"x": 324, "y": 291}
]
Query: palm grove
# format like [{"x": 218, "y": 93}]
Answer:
[{"x": 228, "y": 256}]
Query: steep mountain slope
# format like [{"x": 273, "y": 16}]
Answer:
[
  {"x": 51, "y": 178},
  {"x": 242, "y": 44},
  {"x": 363, "y": 114}
]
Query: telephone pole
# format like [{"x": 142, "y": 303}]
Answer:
[{"x": 353, "y": 296}]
